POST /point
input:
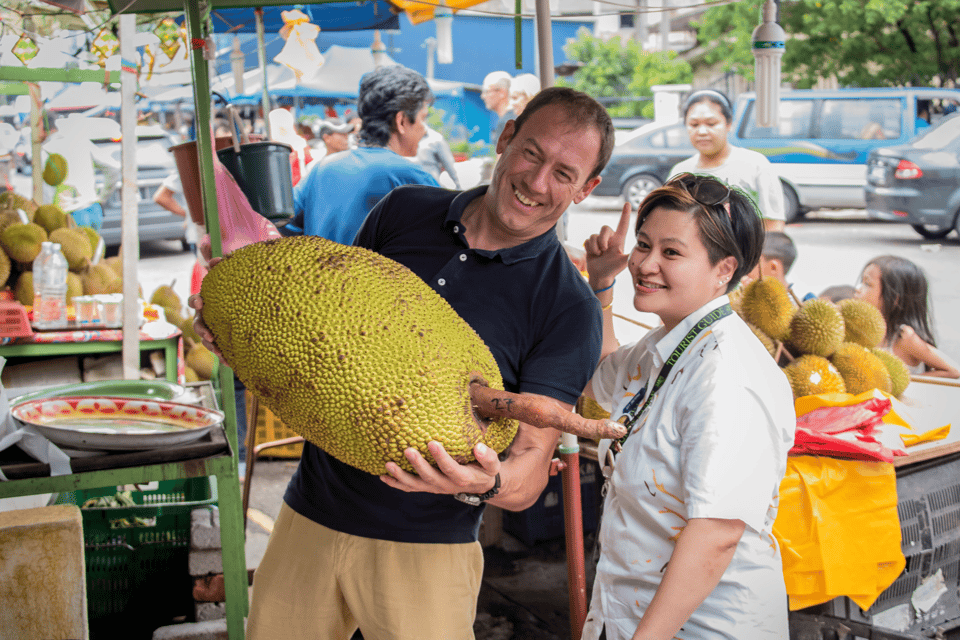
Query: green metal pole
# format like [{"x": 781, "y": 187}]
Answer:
[
  {"x": 262, "y": 58},
  {"x": 517, "y": 26}
]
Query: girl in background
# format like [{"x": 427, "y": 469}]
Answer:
[{"x": 898, "y": 288}]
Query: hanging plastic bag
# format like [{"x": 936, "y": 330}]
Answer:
[
  {"x": 300, "y": 52},
  {"x": 838, "y": 530}
]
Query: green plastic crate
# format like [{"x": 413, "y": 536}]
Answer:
[{"x": 137, "y": 576}]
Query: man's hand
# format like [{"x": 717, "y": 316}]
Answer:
[{"x": 449, "y": 476}]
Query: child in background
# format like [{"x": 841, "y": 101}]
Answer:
[
  {"x": 898, "y": 288},
  {"x": 779, "y": 254},
  {"x": 838, "y": 292}
]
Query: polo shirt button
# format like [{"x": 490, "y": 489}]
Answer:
[
  {"x": 463, "y": 257},
  {"x": 441, "y": 282},
  {"x": 456, "y": 228}
]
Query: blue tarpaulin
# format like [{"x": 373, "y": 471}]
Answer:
[{"x": 334, "y": 16}]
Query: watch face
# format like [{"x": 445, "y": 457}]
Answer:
[{"x": 469, "y": 498}]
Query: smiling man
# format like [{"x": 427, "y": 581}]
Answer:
[{"x": 397, "y": 555}]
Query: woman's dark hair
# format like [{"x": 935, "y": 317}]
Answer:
[
  {"x": 731, "y": 228},
  {"x": 385, "y": 92},
  {"x": 580, "y": 108},
  {"x": 709, "y": 95},
  {"x": 904, "y": 292}
]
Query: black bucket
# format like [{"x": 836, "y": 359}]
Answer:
[{"x": 262, "y": 169}]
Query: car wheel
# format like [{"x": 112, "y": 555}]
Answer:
[
  {"x": 791, "y": 204},
  {"x": 932, "y": 232},
  {"x": 638, "y": 187}
]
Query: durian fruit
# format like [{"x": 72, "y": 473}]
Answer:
[
  {"x": 190, "y": 375},
  {"x": 201, "y": 360},
  {"x": 116, "y": 264},
  {"x": 22, "y": 241},
  {"x": 23, "y": 289},
  {"x": 816, "y": 328},
  {"x": 899, "y": 373},
  {"x": 93, "y": 237},
  {"x": 864, "y": 323},
  {"x": 5, "y": 267},
  {"x": 75, "y": 247},
  {"x": 861, "y": 370},
  {"x": 50, "y": 217},
  {"x": 55, "y": 170},
  {"x": 766, "y": 304},
  {"x": 74, "y": 286},
  {"x": 764, "y": 339},
  {"x": 811, "y": 375},
  {"x": 99, "y": 278},
  {"x": 736, "y": 300},
  {"x": 8, "y": 217},
  {"x": 10, "y": 201}
]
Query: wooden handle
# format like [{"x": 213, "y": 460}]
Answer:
[{"x": 540, "y": 412}]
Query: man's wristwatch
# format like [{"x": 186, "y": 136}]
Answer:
[{"x": 476, "y": 499}]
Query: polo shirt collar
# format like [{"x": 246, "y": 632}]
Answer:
[
  {"x": 511, "y": 255},
  {"x": 664, "y": 346}
]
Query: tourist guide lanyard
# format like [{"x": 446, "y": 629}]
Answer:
[{"x": 703, "y": 323}]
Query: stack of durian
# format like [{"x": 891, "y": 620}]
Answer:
[
  {"x": 822, "y": 347},
  {"x": 21, "y": 240},
  {"x": 199, "y": 360}
]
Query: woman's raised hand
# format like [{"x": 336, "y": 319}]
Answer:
[{"x": 605, "y": 255}]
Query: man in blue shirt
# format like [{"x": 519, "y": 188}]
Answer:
[
  {"x": 396, "y": 555},
  {"x": 339, "y": 191}
]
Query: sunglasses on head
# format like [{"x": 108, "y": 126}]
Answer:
[{"x": 707, "y": 191}]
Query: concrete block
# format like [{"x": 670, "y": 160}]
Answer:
[
  {"x": 43, "y": 592},
  {"x": 204, "y": 561},
  {"x": 208, "y": 630},
  {"x": 204, "y": 611},
  {"x": 205, "y": 528}
]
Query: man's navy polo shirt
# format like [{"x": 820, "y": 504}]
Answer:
[{"x": 533, "y": 310}]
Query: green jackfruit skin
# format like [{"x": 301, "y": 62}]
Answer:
[
  {"x": 351, "y": 350},
  {"x": 811, "y": 375},
  {"x": 899, "y": 374},
  {"x": 864, "y": 323},
  {"x": 861, "y": 370},
  {"x": 22, "y": 241},
  {"x": 817, "y": 328},
  {"x": 766, "y": 304}
]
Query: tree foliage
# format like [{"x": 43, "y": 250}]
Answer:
[
  {"x": 616, "y": 69},
  {"x": 865, "y": 43}
]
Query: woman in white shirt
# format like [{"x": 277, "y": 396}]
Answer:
[
  {"x": 709, "y": 116},
  {"x": 686, "y": 544}
]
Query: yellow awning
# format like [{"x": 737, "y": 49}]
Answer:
[{"x": 422, "y": 10}]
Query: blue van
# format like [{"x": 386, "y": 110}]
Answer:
[{"x": 821, "y": 145}]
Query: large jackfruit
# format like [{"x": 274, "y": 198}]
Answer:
[
  {"x": 861, "y": 370},
  {"x": 351, "y": 350},
  {"x": 899, "y": 373},
  {"x": 812, "y": 375},
  {"x": 817, "y": 328},
  {"x": 766, "y": 304},
  {"x": 864, "y": 324}
]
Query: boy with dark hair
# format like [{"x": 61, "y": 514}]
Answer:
[{"x": 779, "y": 254}]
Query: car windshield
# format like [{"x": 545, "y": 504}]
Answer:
[{"x": 941, "y": 136}]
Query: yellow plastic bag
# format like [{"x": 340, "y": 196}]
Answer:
[{"x": 838, "y": 530}]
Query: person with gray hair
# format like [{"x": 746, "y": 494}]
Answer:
[
  {"x": 338, "y": 192},
  {"x": 496, "y": 97},
  {"x": 335, "y": 134}
]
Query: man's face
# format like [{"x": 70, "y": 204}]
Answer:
[
  {"x": 336, "y": 142},
  {"x": 494, "y": 96},
  {"x": 542, "y": 169}
]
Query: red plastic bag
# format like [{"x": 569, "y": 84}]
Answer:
[{"x": 845, "y": 431}]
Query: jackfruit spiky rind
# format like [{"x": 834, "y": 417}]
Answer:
[
  {"x": 22, "y": 241},
  {"x": 351, "y": 350},
  {"x": 899, "y": 373},
  {"x": 766, "y": 304},
  {"x": 864, "y": 323},
  {"x": 811, "y": 375},
  {"x": 861, "y": 370},
  {"x": 817, "y": 328}
]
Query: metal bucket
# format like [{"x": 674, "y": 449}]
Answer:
[{"x": 262, "y": 169}]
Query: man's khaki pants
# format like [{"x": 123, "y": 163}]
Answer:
[{"x": 318, "y": 584}]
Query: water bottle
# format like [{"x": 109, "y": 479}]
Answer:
[
  {"x": 53, "y": 291},
  {"x": 38, "y": 264}
]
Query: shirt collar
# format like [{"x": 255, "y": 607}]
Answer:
[
  {"x": 528, "y": 249},
  {"x": 665, "y": 345}
]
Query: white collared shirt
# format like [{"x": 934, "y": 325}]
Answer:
[{"x": 712, "y": 444}]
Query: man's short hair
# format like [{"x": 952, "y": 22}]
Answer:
[
  {"x": 580, "y": 108},
  {"x": 333, "y": 125},
  {"x": 778, "y": 246},
  {"x": 500, "y": 79},
  {"x": 384, "y": 93}
]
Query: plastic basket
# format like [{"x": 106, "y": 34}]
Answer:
[
  {"x": 138, "y": 575},
  {"x": 269, "y": 428},
  {"x": 13, "y": 320}
]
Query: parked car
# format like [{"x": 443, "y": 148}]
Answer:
[
  {"x": 154, "y": 163},
  {"x": 919, "y": 182}
]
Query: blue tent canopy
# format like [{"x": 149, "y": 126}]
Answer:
[{"x": 334, "y": 16}]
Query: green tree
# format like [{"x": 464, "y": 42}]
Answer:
[
  {"x": 615, "y": 69},
  {"x": 863, "y": 43}
]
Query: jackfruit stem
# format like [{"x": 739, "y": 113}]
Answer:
[{"x": 539, "y": 412}]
